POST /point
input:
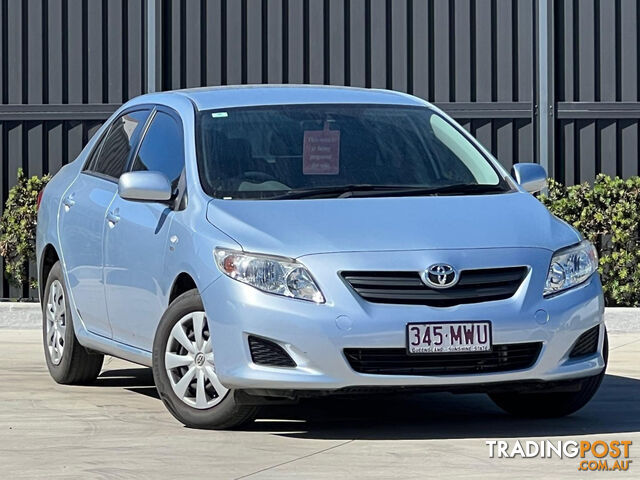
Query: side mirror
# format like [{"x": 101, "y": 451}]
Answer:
[
  {"x": 530, "y": 176},
  {"x": 145, "y": 186}
]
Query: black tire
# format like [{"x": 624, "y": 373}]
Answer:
[
  {"x": 553, "y": 404},
  {"x": 225, "y": 415},
  {"x": 77, "y": 366}
]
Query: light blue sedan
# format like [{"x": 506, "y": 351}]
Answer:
[{"x": 295, "y": 241}]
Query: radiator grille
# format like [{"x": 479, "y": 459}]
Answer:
[{"x": 474, "y": 286}]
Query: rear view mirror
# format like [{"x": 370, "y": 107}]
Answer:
[
  {"x": 145, "y": 186},
  {"x": 530, "y": 176}
]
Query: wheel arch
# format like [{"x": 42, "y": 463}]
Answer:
[
  {"x": 49, "y": 258},
  {"x": 182, "y": 283}
]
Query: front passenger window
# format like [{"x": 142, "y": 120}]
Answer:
[
  {"x": 122, "y": 137},
  {"x": 162, "y": 148}
]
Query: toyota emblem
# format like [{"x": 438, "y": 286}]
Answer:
[{"x": 440, "y": 275}]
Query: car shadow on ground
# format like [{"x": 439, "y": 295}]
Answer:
[
  {"x": 614, "y": 409},
  {"x": 138, "y": 380}
]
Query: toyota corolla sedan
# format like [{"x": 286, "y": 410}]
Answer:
[{"x": 259, "y": 244}]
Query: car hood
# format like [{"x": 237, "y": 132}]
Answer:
[{"x": 294, "y": 228}]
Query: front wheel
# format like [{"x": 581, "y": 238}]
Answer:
[
  {"x": 184, "y": 369},
  {"x": 553, "y": 404}
]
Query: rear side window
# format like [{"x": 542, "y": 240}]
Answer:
[
  {"x": 117, "y": 145},
  {"x": 162, "y": 148}
]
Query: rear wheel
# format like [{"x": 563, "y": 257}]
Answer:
[
  {"x": 184, "y": 369},
  {"x": 68, "y": 361},
  {"x": 553, "y": 404}
]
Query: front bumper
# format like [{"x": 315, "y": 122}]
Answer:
[{"x": 316, "y": 335}]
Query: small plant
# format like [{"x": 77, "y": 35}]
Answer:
[
  {"x": 608, "y": 214},
  {"x": 18, "y": 228}
]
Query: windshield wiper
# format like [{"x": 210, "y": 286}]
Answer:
[
  {"x": 465, "y": 188},
  {"x": 363, "y": 190},
  {"x": 336, "y": 191}
]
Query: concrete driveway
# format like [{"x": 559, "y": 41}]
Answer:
[{"x": 118, "y": 428}]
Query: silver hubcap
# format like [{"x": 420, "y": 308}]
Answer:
[
  {"x": 189, "y": 362},
  {"x": 56, "y": 322}
]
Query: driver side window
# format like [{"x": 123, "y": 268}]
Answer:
[
  {"x": 113, "y": 152},
  {"x": 162, "y": 148}
]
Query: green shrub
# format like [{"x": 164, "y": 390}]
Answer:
[
  {"x": 18, "y": 228},
  {"x": 608, "y": 214}
]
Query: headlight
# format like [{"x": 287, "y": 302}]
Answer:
[
  {"x": 269, "y": 274},
  {"x": 570, "y": 267}
]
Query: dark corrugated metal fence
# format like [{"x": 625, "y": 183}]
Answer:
[
  {"x": 596, "y": 88},
  {"x": 475, "y": 59},
  {"x": 65, "y": 65}
]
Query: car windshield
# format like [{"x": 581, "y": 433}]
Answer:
[{"x": 325, "y": 151}]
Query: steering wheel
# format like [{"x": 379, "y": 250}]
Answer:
[{"x": 259, "y": 177}]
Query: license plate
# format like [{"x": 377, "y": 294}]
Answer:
[{"x": 449, "y": 337}]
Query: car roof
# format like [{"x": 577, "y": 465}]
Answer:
[{"x": 206, "y": 98}]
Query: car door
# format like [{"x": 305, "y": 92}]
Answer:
[
  {"x": 82, "y": 218},
  {"x": 136, "y": 242}
]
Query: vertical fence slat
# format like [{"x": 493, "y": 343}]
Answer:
[
  {"x": 398, "y": 47},
  {"x": 565, "y": 89},
  {"x": 629, "y": 39},
  {"x": 193, "y": 42},
  {"x": 114, "y": 51},
  {"x": 275, "y": 39},
  {"x": 316, "y": 43},
  {"x": 134, "y": 49},
  {"x": 504, "y": 53},
  {"x": 568, "y": 132},
  {"x": 234, "y": 42},
  {"x": 587, "y": 149},
  {"x": 483, "y": 54},
  {"x": 176, "y": 53},
  {"x": 586, "y": 51},
  {"x": 74, "y": 57},
  {"x": 629, "y": 147},
  {"x": 95, "y": 61},
  {"x": 34, "y": 53},
  {"x": 525, "y": 38},
  {"x": 378, "y": 44},
  {"x": 442, "y": 57},
  {"x": 254, "y": 41},
  {"x": 54, "y": 54},
  {"x": 607, "y": 52},
  {"x": 296, "y": 43},
  {"x": 213, "y": 39},
  {"x": 608, "y": 130},
  {"x": 420, "y": 59},
  {"x": 14, "y": 156},
  {"x": 524, "y": 141},
  {"x": 336, "y": 42},
  {"x": 357, "y": 43},
  {"x": 14, "y": 52},
  {"x": 463, "y": 47}
]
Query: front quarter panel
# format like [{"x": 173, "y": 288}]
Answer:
[{"x": 192, "y": 240}]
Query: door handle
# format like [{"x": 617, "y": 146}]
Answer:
[
  {"x": 68, "y": 202},
  {"x": 113, "y": 217}
]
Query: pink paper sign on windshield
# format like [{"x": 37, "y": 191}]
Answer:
[{"x": 321, "y": 152}]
